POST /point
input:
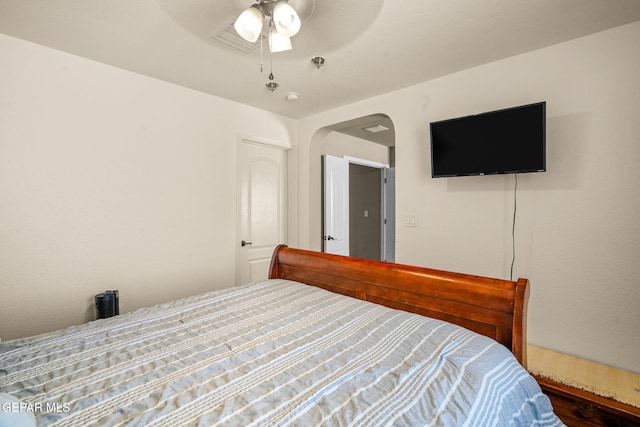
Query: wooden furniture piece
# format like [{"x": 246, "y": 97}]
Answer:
[
  {"x": 576, "y": 388},
  {"x": 578, "y": 408},
  {"x": 492, "y": 307}
]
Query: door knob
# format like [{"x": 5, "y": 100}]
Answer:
[{"x": 243, "y": 243}]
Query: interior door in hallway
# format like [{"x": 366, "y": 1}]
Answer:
[
  {"x": 262, "y": 208},
  {"x": 336, "y": 205}
]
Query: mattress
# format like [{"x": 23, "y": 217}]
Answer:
[{"x": 270, "y": 353}]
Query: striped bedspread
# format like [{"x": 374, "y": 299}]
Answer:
[{"x": 271, "y": 353}]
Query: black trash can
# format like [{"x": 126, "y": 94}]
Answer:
[{"x": 107, "y": 304}]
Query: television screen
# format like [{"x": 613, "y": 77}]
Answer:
[{"x": 512, "y": 140}]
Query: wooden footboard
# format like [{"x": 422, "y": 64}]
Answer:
[{"x": 492, "y": 307}]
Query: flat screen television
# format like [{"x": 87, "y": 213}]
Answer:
[{"x": 512, "y": 140}]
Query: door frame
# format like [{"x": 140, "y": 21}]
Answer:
[
  {"x": 388, "y": 216},
  {"x": 383, "y": 207},
  {"x": 363, "y": 162}
]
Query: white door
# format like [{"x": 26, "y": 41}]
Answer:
[
  {"x": 262, "y": 208},
  {"x": 336, "y": 205},
  {"x": 389, "y": 215}
]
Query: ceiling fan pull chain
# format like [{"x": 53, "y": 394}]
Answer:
[
  {"x": 271, "y": 85},
  {"x": 261, "y": 55}
]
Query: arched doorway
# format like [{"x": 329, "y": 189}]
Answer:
[{"x": 358, "y": 192}]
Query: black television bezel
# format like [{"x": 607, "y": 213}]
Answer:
[{"x": 542, "y": 104}]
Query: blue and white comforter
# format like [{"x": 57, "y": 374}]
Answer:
[{"x": 272, "y": 353}]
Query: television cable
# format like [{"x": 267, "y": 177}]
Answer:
[{"x": 513, "y": 228}]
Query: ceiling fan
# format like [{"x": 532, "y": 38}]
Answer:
[{"x": 283, "y": 19}]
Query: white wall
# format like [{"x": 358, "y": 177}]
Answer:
[
  {"x": 578, "y": 232},
  {"x": 109, "y": 179}
]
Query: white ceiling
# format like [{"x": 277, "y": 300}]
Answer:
[{"x": 371, "y": 46}]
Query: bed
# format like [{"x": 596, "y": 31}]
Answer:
[{"x": 327, "y": 340}]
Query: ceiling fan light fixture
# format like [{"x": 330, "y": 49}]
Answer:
[
  {"x": 279, "y": 14},
  {"x": 249, "y": 23},
  {"x": 278, "y": 42},
  {"x": 286, "y": 19}
]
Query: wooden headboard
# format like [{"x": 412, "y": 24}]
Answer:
[{"x": 492, "y": 307}]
